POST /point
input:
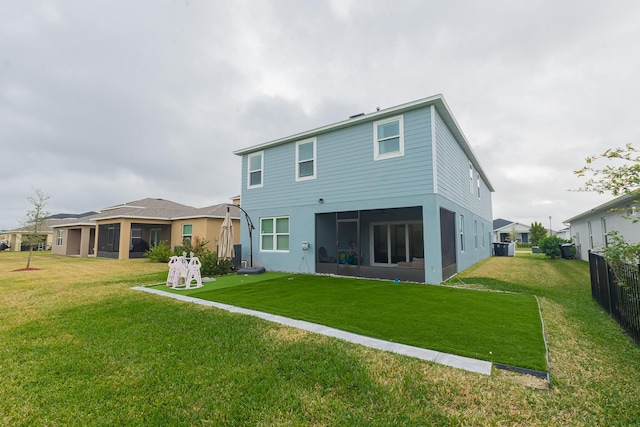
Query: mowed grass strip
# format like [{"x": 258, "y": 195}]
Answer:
[{"x": 493, "y": 326}]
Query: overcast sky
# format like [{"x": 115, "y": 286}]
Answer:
[{"x": 106, "y": 102}]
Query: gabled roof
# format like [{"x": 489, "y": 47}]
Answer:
[
  {"x": 437, "y": 101},
  {"x": 499, "y": 223},
  {"x": 513, "y": 226},
  {"x": 621, "y": 200}
]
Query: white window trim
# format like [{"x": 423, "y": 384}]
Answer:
[
  {"x": 275, "y": 234},
  {"x": 478, "y": 178},
  {"x": 461, "y": 228},
  {"x": 376, "y": 145},
  {"x": 138, "y": 232},
  {"x": 471, "y": 177},
  {"x": 475, "y": 232},
  {"x": 313, "y": 159},
  {"x": 190, "y": 236},
  {"x": 59, "y": 238},
  {"x": 249, "y": 156}
]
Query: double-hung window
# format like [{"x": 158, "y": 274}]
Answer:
[
  {"x": 475, "y": 232},
  {"x": 388, "y": 138},
  {"x": 59, "y": 238},
  {"x": 306, "y": 160},
  {"x": 471, "y": 177},
  {"x": 274, "y": 234},
  {"x": 254, "y": 169},
  {"x": 461, "y": 225},
  {"x": 187, "y": 233},
  {"x": 136, "y": 234}
]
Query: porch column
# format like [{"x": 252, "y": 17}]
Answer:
[
  {"x": 84, "y": 241},
  {"x": 125, "y": 238}
]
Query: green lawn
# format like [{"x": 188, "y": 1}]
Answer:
[
  {"x": 494, "y": 326},
  {"x": 79, "y": 347}
]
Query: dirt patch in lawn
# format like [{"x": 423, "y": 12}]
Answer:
[{"x": 522, "y": 379}]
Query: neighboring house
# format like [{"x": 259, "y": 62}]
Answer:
[
  {"x": 589, "y": 229},
  {"x": 397, "y": 193},
  {"x": 565, "y": 233},
  {"x": 507, "y": 231},
  {"x": 128, "y": 230},
  {"x": 14, "y": 238}
]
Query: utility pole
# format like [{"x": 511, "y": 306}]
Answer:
[{"x": 549, "y": 225}]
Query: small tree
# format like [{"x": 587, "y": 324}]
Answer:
[
  {"x": 621, "y": 177},
  {"x": 537, "y": 232},
  {"x": 34, "y": 223}
]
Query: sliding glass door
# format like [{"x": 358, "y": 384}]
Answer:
[{"x": 396, "y": 242}]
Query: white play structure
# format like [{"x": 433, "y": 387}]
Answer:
[{"x": 184, "y": 274}]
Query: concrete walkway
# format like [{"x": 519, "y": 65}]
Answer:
[{"x": 466, "y": 363}]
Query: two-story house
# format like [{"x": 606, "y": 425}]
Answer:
[{"x": 395, "y": 194}]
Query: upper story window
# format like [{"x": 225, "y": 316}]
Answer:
[
  {"x": 388, "y": 138},
  {"x": 471, "y": 177},
  {"x": 254, "y": 169},
  {"x": 478, "y": 180},
  {"x": 306, "y": 160}
]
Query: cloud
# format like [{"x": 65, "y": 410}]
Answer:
[{"x": 103, "y": 103}]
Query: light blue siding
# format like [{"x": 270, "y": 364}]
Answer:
[
  {"x": 346, "y": 171},
  {"x": 453, "y": 174},
  {"x": 349, "y": 179}
]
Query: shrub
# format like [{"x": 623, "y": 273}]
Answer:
[
  {"x": 210, "y": 264},
  {"x": 550, "y": 246},
  {"x": 160, "y": 253},
  {"x": 619, "y": 253}
]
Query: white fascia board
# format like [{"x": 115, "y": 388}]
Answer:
[
  {"x": 74, "y": 224},
  {"x": 625, "y": 198},
  {"x": 133, "y": 217}
]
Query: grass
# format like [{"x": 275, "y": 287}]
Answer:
[
  {"x": 79, "y": 347},
  {"x": 498, "y": 327}
]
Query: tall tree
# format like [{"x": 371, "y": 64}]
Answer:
[
  {"x": 34, "y": 222},
  {"x": 537, "y": 232}
]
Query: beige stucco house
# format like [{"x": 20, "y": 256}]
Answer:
[
  {"x": 128, "y": 230},
  {"x": 14, "y": 238}
]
